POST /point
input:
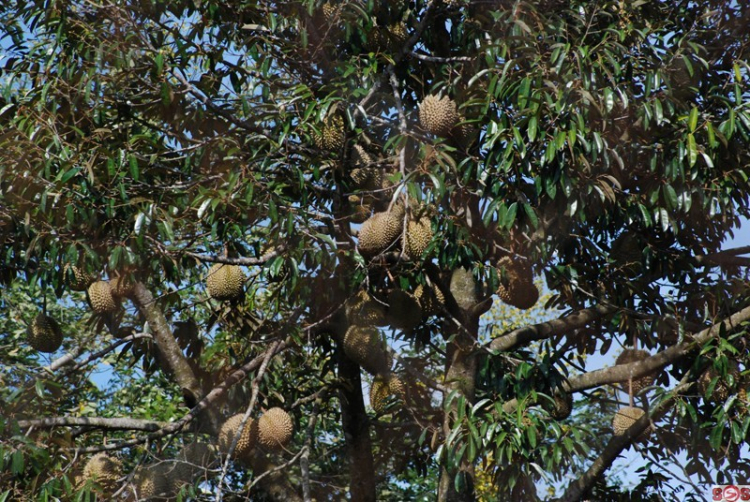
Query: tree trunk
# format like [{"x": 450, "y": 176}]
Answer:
[
  {"x": 356, "y": 432},
  {"x": 461, "y": 376}
]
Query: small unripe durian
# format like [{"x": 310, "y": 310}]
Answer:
[
  {"x": 44, "y": 334},
  {"x": 430, "y": 299},
  {"x": 627, "y": 416},
  {"x": 104, "y": 470},
  {"x": 76, "y": 278},
  {"x": 382, "y": 387},
  {"x": 517, "y": 286},
  {"x": 225, "y": 282},
  {"x": 101, "y": 298},
  {"x": 379, "y": 232},
  {"x": 362, "y": 344},
  {"x": 245, "y": 443},
  {"x": 362, "y": 310},
  {"x": 721, "y": 389},
  {"x": 438, "y": 115},
  {"x": 275, "y": 429},
  {"x": 417, "y": 237},
  {"x": 631, "y": 356},
  {"x": 404, "y": 311}
]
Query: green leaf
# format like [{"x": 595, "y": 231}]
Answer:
[
  {"x": 692, "y": 149},
  {"x": 693, "y": 120}
]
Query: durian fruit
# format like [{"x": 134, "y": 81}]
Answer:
[
  {"x": 104, "y": 470},
  {"x": 380, "y": 231},
  {"x": 246, "y": 442},
  {"x": 627, "y": 416},
  {"x": 438, "y": 115},
  {"x": 225, "y": 282},
  {"x": 122, "y": 286},
  {"x": 153, "y": 482},
  {"x": 360, "y": 157},
  {"x": 404, "y": 312},
  {"x": 360, "y": 209},
  {"x": 627, "y": 251},
  {"x": 330, "y": 12},
  {"x": 367, "y": 178},
  {"x": 44, "y": 334},
  {"x": 382, "y": 387},
  {"x": 198, "y": 453},
  {"x": 430, "y": 299},
  {"x": 362, "y": 344},
  {"x": 76, "y": 278},
  {"x": 562, "y": 407},
  {"x": 517, "y": 286},
  {"x": 101, "y": 298},
  {"x": 362, "y": 310},
  {"x": 275, "y": 429},
  {"x": 417, "y": 237},
  {"x": 463, "y": 287},
  {"x": 721, "y": 389},
  {"x": 631, "y": 356},
  {"x": 332, "y": 134}
]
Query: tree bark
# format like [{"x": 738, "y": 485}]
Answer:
[
  {"x": 170, "y": 356},
  {"x": 356, "y": 432},
  {"x": 460, "y": 376}
]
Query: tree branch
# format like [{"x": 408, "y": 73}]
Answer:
[
  {"x": 623, "y": 372},
  {"x": 113, "y": 424},
  {"x": 171, "y": 358},
  {"x": 546, "y": 329},
  {"x": 615, "y": 447}
]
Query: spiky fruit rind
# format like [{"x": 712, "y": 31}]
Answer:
[
  {"x": 382, "y": 387},
  {"x": 625, "y": 417},
  {"x": 104, "y": 470},
  {"x": 517, "y": 287},
  {"x": 76, "y": 278},
  {"x": 101, "y": 298},
  {"x": 379, "y": 392},
  {"x": 463, "y": 287},
  {"x": 225, "y": 282},
  {"x": 721, "y": 389},
  {"x": 245, "y": 443},
  {"x": 631, "y": 356},
  {"x": 332, "y": 135},
  {"x": 430, "y": 299},
  {"x": 362, "y": 310},
  {"x": 404, "y": 311},
  {"x": 438, "y": 115},
  {"x": 44, "y": 334},
  {"x": 379, "y": 232},
  {"x": 122, "y": 286},
  {"x": 562, "y": 407},
  {"x": 275, "y": 429},
  {"x": 362, "y": 344},
  {"x": 417, "y": 237},
  {"x": 152, "y": 482}
]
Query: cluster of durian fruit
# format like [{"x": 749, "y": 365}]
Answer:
[
  {"x": 159, "y": 480},
  {"x": 272, "y": 432},
  {"x": 44, "y": 334},
  {"x": 387, "y": 231}
]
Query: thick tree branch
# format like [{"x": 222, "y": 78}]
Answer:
[
  {"x": 623, "y": 372},
  {"x": 270, "y": 255},
  {"x": 237, "y": 376},
  {"x": 113, "y": 424},
  {"x": 615, "y": 447},
  {"x": 546, "y": 329},
  {"x": 171, "y": 358}
]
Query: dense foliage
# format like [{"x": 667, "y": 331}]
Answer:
[{"x": 381, "y": 172}]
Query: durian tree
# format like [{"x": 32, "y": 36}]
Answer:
[{"x": 287, "y": 221}]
